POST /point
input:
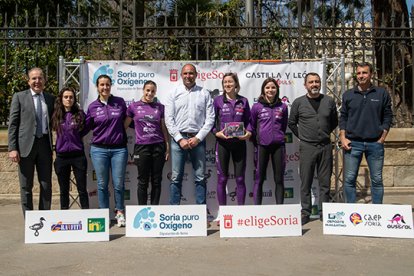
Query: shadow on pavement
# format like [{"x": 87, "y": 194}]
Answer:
[{"x": 113, "y": 237}]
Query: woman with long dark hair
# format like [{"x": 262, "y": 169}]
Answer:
[
  {"x": 268, "y": 123},
  {"x": 68, "y": 120}
]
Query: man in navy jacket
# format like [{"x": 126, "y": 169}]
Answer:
[{"x": 366, "y": 118}]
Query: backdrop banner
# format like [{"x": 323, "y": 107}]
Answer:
[{"x": 128, "y": 79}]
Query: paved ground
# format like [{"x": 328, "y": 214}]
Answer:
[{"x": 311, "y": 254}]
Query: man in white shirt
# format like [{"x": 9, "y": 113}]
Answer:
[{"x": 189, "y": 117}]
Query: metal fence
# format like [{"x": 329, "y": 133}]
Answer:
[{"x": 37, "y": 38}]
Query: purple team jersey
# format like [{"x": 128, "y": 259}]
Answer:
[
  {"x": 107, "y": 122},
  {"x": 69, "y": 138},
  {"x": 147, "y": 120}
]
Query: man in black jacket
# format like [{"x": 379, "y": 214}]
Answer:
[
  {"x": 366, "y": 118},
  {"x": 312, "y": 119}
]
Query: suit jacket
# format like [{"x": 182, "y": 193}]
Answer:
[{"x": 22, "y": 121}]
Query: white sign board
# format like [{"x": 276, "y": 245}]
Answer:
[
  {"x": 375, "y": 220},
  {"x": 166, "y": 221},
  {"x": 260, "y": 221},
  {"x": 67, "y": 226}
]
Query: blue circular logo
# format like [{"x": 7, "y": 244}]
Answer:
[{"x": 144, "y": 219}]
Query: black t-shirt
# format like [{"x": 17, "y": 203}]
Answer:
[{"x": 315, "y": 102}]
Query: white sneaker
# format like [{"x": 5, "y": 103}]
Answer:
[{"x": 120, "y": 218}]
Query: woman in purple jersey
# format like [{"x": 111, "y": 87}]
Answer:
[
  {"x": 268, "y": 123},
  {"x": 151, "y": 142},
  {"x": 105, "y": 117},
  {"x": 231, "y": 111},
  {"x": 69, "y": 123}
]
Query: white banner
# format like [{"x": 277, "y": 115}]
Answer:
[
  {"x": 260, "y": 221},
  {"x": 128, "y": 79},
  {"x": 67, "y": 226},
  {"x": 166, "y": 221},
  {"x": 374, "y": 220}
]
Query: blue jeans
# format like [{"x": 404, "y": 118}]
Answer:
[
  {"x": 198, "y": 160},
  {"x": 104, "y": 159},
  {"x": 374, "y": 154}
]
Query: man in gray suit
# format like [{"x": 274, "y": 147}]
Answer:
[{"x": 30, "y": 139}]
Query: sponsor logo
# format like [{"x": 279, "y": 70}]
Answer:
[
  {"x": 289, "y": 193},
  {"x": 233, "y": 195},
  {"x": 267, "y": 193},
  {"x": 211, "y": 194},
  {"x": 133, "y": 78},
  {"x": 213, "y": 75},
  {"x": 336, "y": 219},
  {"x": 145, "y": 219},
  {"x": 288, "y": 138},
  {"x": 289, "y": 175},
  {"x": 60, "y": 226},
  {"x": 104, "y": 70},
  {"x": 261, "y": 222},
  {"x": 96, "y": 225},
  {"x": 398, "y": 222},
  {"x": 174, "y": 75},
  {"x": 294, "y": 157},
  {"x": 355, "y": 218},
  {"x": 228, "y": 221},
  {"x": 285, "y": 100},
  {"x": 372, "y": 220},
  {"x": 210, "y": 157},
  {"x": 37, "y": 226},
  {"x": 315, "y": 210},
  {"x": 127, "y": 194}
]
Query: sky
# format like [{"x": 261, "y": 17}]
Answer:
[{"x": 409, "y": 4}]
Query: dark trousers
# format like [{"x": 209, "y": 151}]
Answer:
[
  {"x": 63, "y": 167},
  {"x": 237, "y": 150},
  {"x": 40, "y": 157},
  {"x": 276, "y": 153},
  {"x": 311, "y": 157},
  {"x": 150, "y": 161}
]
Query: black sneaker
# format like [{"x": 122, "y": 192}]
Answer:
[{"x": 305, "y": 219}]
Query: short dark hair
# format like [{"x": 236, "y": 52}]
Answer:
[
  {"x": 311, "y": 74},
  {"x": 366, "y": 64}
]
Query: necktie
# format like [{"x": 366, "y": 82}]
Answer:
[{"x": 39, "y": 115}]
